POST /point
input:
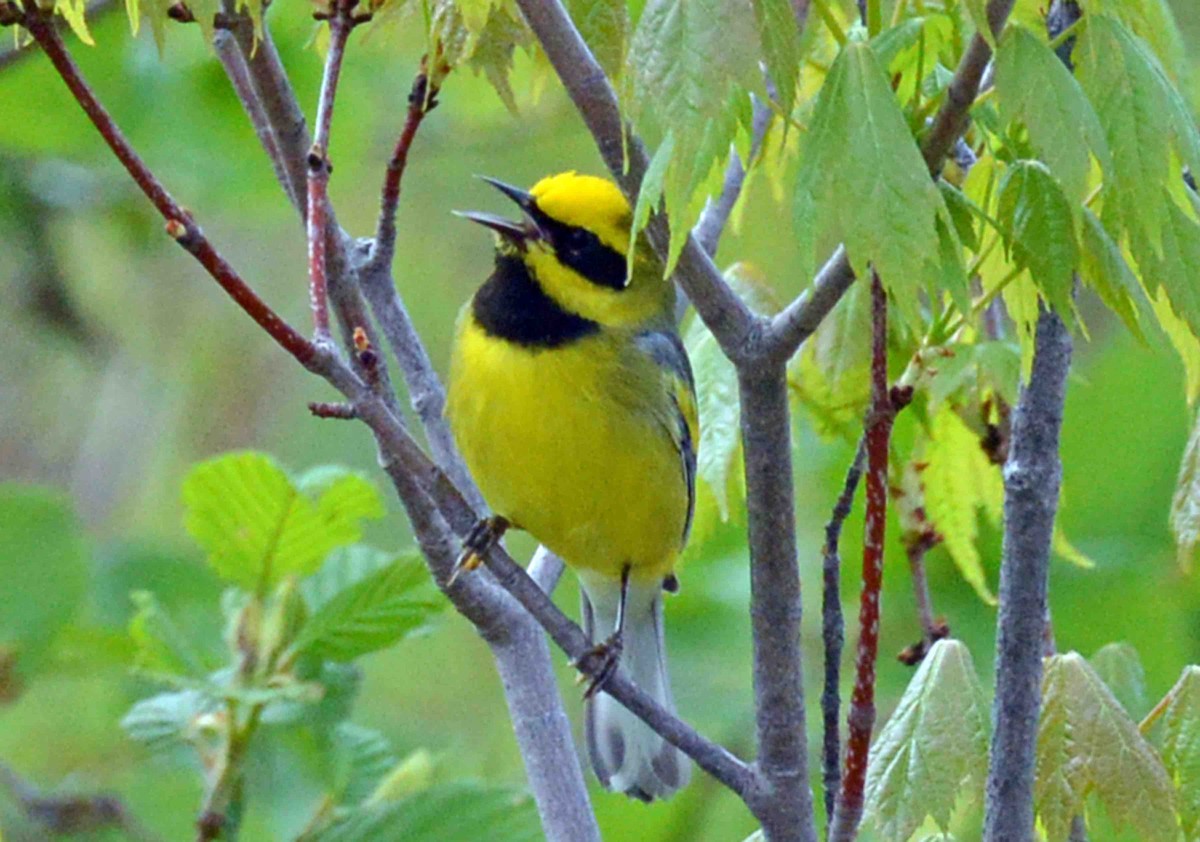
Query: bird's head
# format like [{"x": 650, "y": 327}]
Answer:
[{"x": 574, "y": 239}]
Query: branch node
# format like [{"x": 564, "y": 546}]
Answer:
[
  {"x": 338, "y": 411},
  {"x": 176, "y": 230}
]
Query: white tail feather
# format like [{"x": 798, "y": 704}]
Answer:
[{"x": 626, "y": 754}]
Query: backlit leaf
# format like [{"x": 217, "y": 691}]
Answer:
[
  {"x": 1181, "y": 748},
  {"x": 1088, "y": 745},
  {"x": 1120, "y": 668},
  {"x": 933, "y": 749},
  {"x": 780, "y": 36},
  {"x": 1039, "y": 229},
  {"x": 1104, "y": 269},
  {"x": 604, "y": 25},
  {"x": 1185, "y": 505}
]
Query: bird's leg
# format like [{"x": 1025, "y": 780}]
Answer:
[
  {"x": 600, "y": 662},
  {"x": 484, "y": 535}
]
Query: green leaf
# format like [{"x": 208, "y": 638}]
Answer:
[
  {"x": 1088, "y": 745},
  {"x": 977, "y": 9},
  {"x": 1185, "y": 343},
  {"x": 460, "y": 812},
  {"x": 650, "y": 193},
  {"x": 1176, "y": 268},
  {"x": 411, "y": 775},
  {"x": 74, "y": 12},
  {"x": 486, "y": 49},
  {"x": 933, "y": 749},
  {"x": 692, "y": 66},
  {"x": 362, "y": 758},
  {"x": 167, "y": 720},
  {"x": 371, "y": 614},
  {"x": 1150, "y": 20},
  {"x": 1105, "y": 270},
  {"x": 1181, "y": 748},
  {"x": 604, "y": 25},
  {"x": 963, "y": 214},
  {"x": 44, "y": 568},
  {"x": 960, "y": 480},
  {"x": 344, "y": 567},
  {"x": 1120, "y": 668},
  {"x": 1035, "y": 87},
  {"x": 862, "y": 182},
  {"x": 258, "y": 527},
  {"x": 1038, "y": 225},
  {"x": 162, "y": 649},
  {"x": 1141, "y": 113},
  {"x": 780, "y": 36},
  {"x": 1185, "y": 505}
]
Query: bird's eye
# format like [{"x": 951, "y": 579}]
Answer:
[{"x": 576, "y": 239}]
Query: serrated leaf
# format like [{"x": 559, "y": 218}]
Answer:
[
  {"x": 1182, "y": 339},
  {"x": 459, "y": 812},
  {"x": 604, "y": 25},
  {"x": 1120, "y": 668},
  {"x": 959, "y": 481},
  {"x": 1181, "y": 748},
  {"x": 1103, "y": 267},
  {"x": 168, "y": 719},
  {"x": 1038, "y": 225},
  {"x": 344, "y": 567},
  {"x": 1150, "y": 20},
  {"x": 963, "y": 214},
  {"x": 887, "y": 45},
  {"x": 43, "y": 565},
  {"x": 258, "y": 527},
  {"x": 162, "y": 650},
  {"x": 1141, "y": 112},
  {"x": 370, "y": 614},
  {"x": 1035, "y": 87},
  {"x": 719, "y": 453},
  {"x": 692, "y": 65},
  {"x": 1088, "y": 745},
  {"x": 862, "y": 182},
  {"x": 486, "y": 49},
  {"x": 361, "y": 757},
  {"x": 933, "y": 749},
  {"x": 780, "y": 37},
  {"x": 1185, "y": 504},
  {"x": 74, "y": 12},
  {"x": 1176, "y": 267}
]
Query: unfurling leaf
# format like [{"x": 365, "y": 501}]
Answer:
[
  {"x": 1088, "y": 745},
  {"x": 933, "y": 749},
  {"x": 863, "y": 182},
  {"x": 1181, "y": 748},
  {"x": 1120, "y": 668},
  {"x": 959, "y": 480},
  {"x": 168, "y": 719},
  {"x": 259, "y": 527}
]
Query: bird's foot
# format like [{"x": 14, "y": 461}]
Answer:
[
  {"x": 479, "y": 541},
  {"x": 598, "y": 664}
]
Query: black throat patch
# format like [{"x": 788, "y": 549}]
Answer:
[{"x": 511, "y": 306}]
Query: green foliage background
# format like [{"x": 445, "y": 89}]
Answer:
[{"x": 150, "y": 369}]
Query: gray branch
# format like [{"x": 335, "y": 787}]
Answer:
[{"x": 1032, "y": 476}]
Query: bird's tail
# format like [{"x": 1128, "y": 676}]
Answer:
[{"x": 626, "y": 755}]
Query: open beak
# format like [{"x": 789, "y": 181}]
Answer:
[{"x": 519, "y": 232}]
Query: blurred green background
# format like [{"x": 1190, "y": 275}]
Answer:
[{"x": 121, "y": 364}]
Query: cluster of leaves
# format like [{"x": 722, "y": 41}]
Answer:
[
  {"x": 304, "y": 600},
  {"x": 930, "y": 760}
]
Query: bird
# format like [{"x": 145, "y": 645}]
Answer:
[{"x": 572, "y": 402}]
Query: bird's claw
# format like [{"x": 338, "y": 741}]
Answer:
[
  {"x": 598, "y": 665},
  {"x": 479, "y": 541}
]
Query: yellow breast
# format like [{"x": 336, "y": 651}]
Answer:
[{"x": 566, "y": 444}]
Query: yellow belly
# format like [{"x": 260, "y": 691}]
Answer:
[{"x": 566, "y": 444}]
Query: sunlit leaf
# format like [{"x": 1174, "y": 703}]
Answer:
[
  {"x": 977, "y": 9},
  {"x": 361, "y": 758},
  {"x": 1181, "y": 748},
  {"x": 1150, "y": 20},
  {"x": 162, "y": 649},
  {"x": 1185, "y": 505},
  {"x": 863, "y": 182},
  {"x": 1105, "y": 270},
  {"x": 604, "y": 25},
  {"x": 780, "y": 36},
  {"x": 960, "y": 481},
  {"x": 411, "y": 775},
  {"x": 1120, "y": 668},
  {"x": 933, "y": 749},
  {"x": 371, "y": 614},
  {"x": 259, "y": 527},
  {"x": 1088, "y": 745},
  {"x": 1036, "y": 88}
]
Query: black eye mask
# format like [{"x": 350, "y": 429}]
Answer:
[{"x": 582, "y": 251}]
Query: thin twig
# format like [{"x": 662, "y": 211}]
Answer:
[
  {"x": 72, "y": 813},
  {"x": 180, "y": 224},
  {"x": 861, "y": 720},
  {"x": 833, "y": 632},
  {"x": 341, "y": 24}
]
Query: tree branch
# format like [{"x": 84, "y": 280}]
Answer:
[
  {"x": 796, "y": 322},
  {"x": 861, "y": 720},
  {"x": 833, "y": 632}
]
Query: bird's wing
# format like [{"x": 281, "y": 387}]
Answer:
[{"x": 666, "y": 350}]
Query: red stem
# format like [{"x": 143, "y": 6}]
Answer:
[
  {"x": 861, "y": 718},
  {"x": 421, "y": 100},
  {"x": 180, "y": 224},
  {"x": 341, "y": 23}
]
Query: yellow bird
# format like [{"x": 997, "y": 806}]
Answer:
[{"x": 571, "y": 399}]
